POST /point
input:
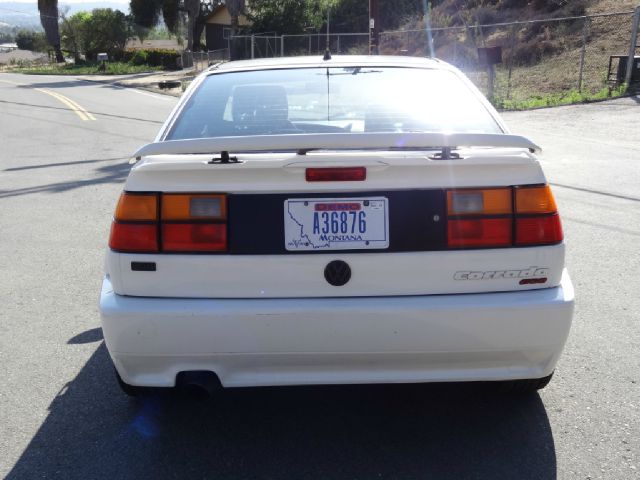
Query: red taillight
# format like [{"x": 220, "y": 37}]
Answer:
[
  {"x": 131, "y": 237},
  {"x": 151, "y": 222},
  {"x": 337, "y": 174},
  {"x": 485, "y": 218},
  {"x": 135, "y": 227},
  {"x": 539, "y": 230},
  {"x": 487, "y": 232},
  {"x": 194, "y": 237}
]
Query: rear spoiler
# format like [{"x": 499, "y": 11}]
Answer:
[{"x": 335, "y": 141}]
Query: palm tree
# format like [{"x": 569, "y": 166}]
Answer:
[
  {"x": 49, "y": 19},
  {"x": 192, "y": 8},
  {"x": 235, "y": 7},
  {"x": 146, "y": 14}
]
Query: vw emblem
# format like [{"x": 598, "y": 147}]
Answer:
[{"x": 337, "y": 273}]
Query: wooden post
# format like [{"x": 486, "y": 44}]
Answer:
[{"x": 374, "y": 26}]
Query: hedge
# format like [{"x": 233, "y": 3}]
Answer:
[{"x": 155, "y": 57}]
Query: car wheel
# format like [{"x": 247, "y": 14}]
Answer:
[{"x": 529, "y": 385}]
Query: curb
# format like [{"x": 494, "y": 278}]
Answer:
[{"x": 119, "y": 83}]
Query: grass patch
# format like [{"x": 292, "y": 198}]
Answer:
[
  {"x": 112, "y": 68},
  {"x": 556, "y": 99}
]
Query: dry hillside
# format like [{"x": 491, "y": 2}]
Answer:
[{"x": 540, "y": 58}]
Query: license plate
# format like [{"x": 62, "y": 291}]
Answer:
[{"x": 336, "y": 223}]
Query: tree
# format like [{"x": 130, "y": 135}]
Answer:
[
  {"x": 107, "y": 31},
  {"x": 74, "y": 33},
  {"x": 146, "y": 14},
  {"x": 6, "y": 37},
  {"x": 192, "y": 8},
  {"x": 288, "y": 16},
  {"x": 33, "y": 41},
  {"x": 49, "y": 19},
  {"x": 102, "y": 30},
  {"x": 236, "y": 8}
]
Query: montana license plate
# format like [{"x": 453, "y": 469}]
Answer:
[{"x": 336, "y": 223}]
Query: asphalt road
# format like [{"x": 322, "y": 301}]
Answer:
[{"x": 62, "y": 415}]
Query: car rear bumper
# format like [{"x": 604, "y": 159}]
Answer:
[{"x": 253, "y": 342}]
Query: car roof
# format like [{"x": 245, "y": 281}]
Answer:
[{"x": 335, "y": 61}]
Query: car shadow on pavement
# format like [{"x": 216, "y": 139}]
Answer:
[
  {"x": 74, "y": 81},
  {"x": 356, "y": 432},
  {"x": 114, "y": 173},
  {"x": 99, "y": 114}
]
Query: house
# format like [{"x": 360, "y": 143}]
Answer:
[
  {"x": 218, "y": 27},
  {"x": 8, "y": 47}
]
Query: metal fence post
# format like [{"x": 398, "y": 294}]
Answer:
[
  {"x": 282, "y": 45},
  {"x": 585, "y": 33},
  {"x": 632, "y": 46},
  {"x": 253, "y": 46},
  {"x": 512, "y": 49}
]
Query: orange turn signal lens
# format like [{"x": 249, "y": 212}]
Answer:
[
  {"x": 490, "y": 201},
  {"x": 137, "y": 207},
  {"x": 535, "y": 200},
  {"x": 178, "y": 206}
]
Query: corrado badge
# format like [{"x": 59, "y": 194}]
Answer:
[{"x": 531, "y": 272}]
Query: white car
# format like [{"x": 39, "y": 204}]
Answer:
[{"x": 354, "y": 220}]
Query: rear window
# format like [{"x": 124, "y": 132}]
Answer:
[{"x": 332, "y": 100}]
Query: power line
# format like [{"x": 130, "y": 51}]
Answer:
[{"x": 28, "y": 13}]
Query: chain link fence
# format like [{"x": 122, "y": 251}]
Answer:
[
  {"x": 539, "y": 59},
  {"x": 316, "y": 44},
  {"x": 202, "y": 60},
  {"x": 255, "y": 46},
  {"x": 264, "y": 46}
]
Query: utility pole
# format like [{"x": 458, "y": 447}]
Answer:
[{"x": 374, "y": 26}]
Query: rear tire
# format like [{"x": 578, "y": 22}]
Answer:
[{"x": 530, "y": 385}]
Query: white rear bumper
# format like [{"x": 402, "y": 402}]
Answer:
[{"x": 252, "y": 342}]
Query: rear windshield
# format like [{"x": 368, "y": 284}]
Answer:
[{"x": 332, "y": 100}]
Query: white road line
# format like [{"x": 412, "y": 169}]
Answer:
[{"x": 148, "y": 94}]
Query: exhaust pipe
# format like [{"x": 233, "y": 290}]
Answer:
[{"x": 199, "y": 381}]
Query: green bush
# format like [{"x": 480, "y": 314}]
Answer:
[
  {"x": 30, "y": 40},
  {"x": 155, "y": 57},
  {"x": 140, "y": 57}
]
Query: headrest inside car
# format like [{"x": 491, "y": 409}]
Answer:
[{"x": 259, "y": 104}]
